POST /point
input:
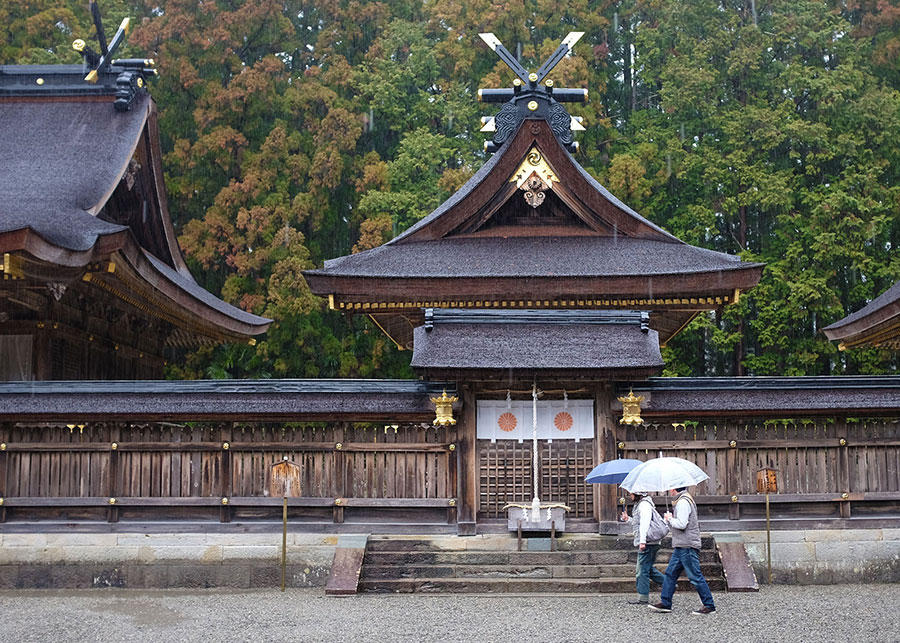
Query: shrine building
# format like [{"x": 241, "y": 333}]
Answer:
[
  {"x": 94, "y": 285},
  {"x": 533, "y": 276}
]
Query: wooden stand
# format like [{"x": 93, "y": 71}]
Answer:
[
  {"x": 517, "y": 520},
  {"x": 285, "y": 482}
]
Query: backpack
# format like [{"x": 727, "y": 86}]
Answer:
[{"x": 658, "y": 528}]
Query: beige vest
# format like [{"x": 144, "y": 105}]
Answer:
[{"x": 690, "y": 535}]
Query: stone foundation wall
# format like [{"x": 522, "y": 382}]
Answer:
[
  {"x": 137, "y": 560},
  {"x": 253, "y": 560},
  {"x": 827, "y": 556}
]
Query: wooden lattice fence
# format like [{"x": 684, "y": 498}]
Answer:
[
  {"x": 124, "y": 470},
  {"x": 826, "y": 467}
]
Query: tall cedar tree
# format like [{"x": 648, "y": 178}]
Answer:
[{"x": 298, "y": 131}]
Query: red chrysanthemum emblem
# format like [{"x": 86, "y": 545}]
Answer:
[
  {"x": 563, "y": 421},
  {"x": 507, "y": 422}
]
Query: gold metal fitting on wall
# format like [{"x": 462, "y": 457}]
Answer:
[
  {"x": 631, "y": 409},
  {"x": 226, "y": 446},
  {"x": 443, "y": 409},
  {"x": 734, "y": 498},
  {"x": 733, "y": 444},
  {"x": 842, "y": 442},
  {"x": 452, "y": 447},
  {"x": 224, "y": 501}
]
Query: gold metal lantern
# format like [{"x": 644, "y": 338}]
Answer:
[
  {"x": 631, "y": 409},
  {"x": 443, "y": 409}
]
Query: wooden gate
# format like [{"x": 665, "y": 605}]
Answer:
[{"x": 506, "y": 475}]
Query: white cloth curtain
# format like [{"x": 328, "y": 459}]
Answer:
[
  {"x": 15, "y": 357},
  {"x": 557, "y": 420}
]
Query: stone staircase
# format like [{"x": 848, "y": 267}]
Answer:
[{"x": 491, "y": 564}]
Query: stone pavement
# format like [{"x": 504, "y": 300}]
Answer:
[{"x": 779, "y": 613}]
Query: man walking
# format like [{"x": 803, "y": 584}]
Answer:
[
  {"x": 685, "y": 554},
  {"x": 645, "y": 517}
]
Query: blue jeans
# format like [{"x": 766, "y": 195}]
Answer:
[
  {"x": 686, "y": 559},
  {"x": 645, "y": 571}
]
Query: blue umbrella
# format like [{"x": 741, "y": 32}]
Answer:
[{"x": 612, "y": 472}]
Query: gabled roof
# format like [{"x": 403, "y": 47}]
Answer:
[
  {"x": 486, "y": 344},
  {"x": 876, "y": 324},
  {"x": 477, "y": 200},
  {"x": 64, "y": 151},
  {"x": 573, "y": 245}
]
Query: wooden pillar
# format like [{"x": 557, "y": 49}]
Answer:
[
  {"x": 339, "y": 461},
  {"x": 731, "y": 476},
  {"x": 452, "y": 473},
  {"x": 843, "y": 465},
  {"x": 467, "y": 500},
  {"x": 5, "y": 435},
  {"x": 605, "y": 495},
  {"x": 113, "y": 473},
  {"x": 225, "y": 481},
  {"x": 43, "y": 357}
]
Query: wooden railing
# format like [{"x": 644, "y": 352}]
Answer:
[
  {"x": 129, "y": 471},
  {"x": 826, "y": 467}
]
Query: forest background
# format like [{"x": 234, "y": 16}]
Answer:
[{"x": 298, "y": 131}]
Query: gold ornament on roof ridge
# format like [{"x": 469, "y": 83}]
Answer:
[
  {"x": 631, "y": 409},
  {"x": 534, "y": 164}
]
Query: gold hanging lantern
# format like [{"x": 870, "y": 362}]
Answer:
[
  {"x": 443, "y": 409},
  {"x": 631, "y": 409}
]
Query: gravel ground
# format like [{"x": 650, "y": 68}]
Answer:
[{"x": 808, "y": 614}]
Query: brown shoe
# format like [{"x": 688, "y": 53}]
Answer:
[{"x": 705, "y": 610}]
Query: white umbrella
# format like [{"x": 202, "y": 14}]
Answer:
[{"x": 662, "y": 474}]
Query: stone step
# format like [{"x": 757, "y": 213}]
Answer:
[
  {"x": 615, "y": 557},
  {"x": 579, "y": 542},
  {"x": 387, "y": 572},
  {"x": 515, "y": 585}
]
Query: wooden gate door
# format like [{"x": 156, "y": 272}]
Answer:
[{"x": 506, "y": 475}]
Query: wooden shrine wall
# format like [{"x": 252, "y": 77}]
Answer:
[
  {"x": 218, "y": 471},
  {"x": 826, "y": 467}
]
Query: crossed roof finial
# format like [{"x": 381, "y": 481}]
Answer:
[
  {"x": 131, "y": 72},
  {"x": 528, "y": 98}
]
